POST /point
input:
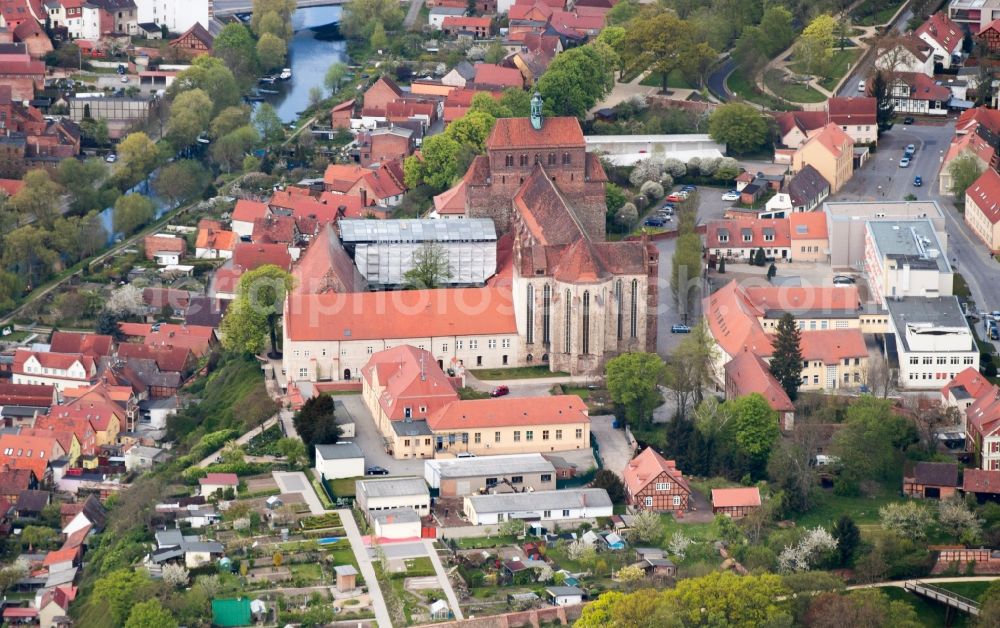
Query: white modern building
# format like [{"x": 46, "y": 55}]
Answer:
[
  {"x": 396, "y": 524},
  {"x": 492, "y": 474},
  {"x": 904, "y": 259},
  {"x": 177, "y": 15},
  {"x": 567, "y": 504},
  {"x": 626, "y": 150},
  {"x": 375, "y": 495},
  {"x": 846, "y": 224},
  {"x": 933, "y": 340},
  {"x": 342, "y": 460}
]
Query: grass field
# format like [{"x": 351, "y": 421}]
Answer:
[
  {"x": 829, "y": 507},
  {"x": 793, "y": 92},
  {"x": 742, "y": 85},
  {"x": 973, "y": 590},
  {"x": 864, "y": 16},
  {"x": 930, "y": 614},
  {"x": 840, "y": 63},
  {"x": 960, "y": 287},
  {"x": 343, "y": 487},
  {"x": 675, "y": 80},
  {"x": 516, "y": 372}
]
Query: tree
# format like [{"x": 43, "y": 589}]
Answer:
[
  {"x": 280, "y": 8},
  {"x": 581, "y": 551},
  {"x": 175, "y": 575},
  {"x": 861, "y": 608},
  {"x": 577, "y": 79},
  {"x": 632, "y": 380},
  {"x": 131, "y": 212},
  {"x": 955, "y": 518},
  {"x": 879, "y": 89},
  {"x": 139, "y": 156},
  {"x": 293, "y": 450},
  {"x": 230, "y": 150},
  {"x": 645, "y": 170},
  {"x": 118, "y": 590},
  {"x": 646, "y": 527},
  {"x": 37, "y": 537},
  {"x": 622, "y": 12},
  {"x": 126, "y": 301},
  {"x": 754, "y": 425},
  {"x": 361, "y": 16},
  {"x": 235, "y": 46},
  {"x": 908, "y": 519},
  {"x": 964, "y": 171},
  {"x": 786, "y": 359},
  {"x": 741, "y": 127},
  {"x": 759, "y": 257},
  {"x": 253, "y": 314},
  {"x": 802, "y": 556},
  {"x": 211, "y": 75},
  {"x": 39, "y": 198},
  {"x": 815, "y": 44},
  {"x": 190, "y": 116},
  {"x": 626, "y": 216},
  {"x": 334, "y": 76},
  {"x": 848, "y": 537},
  {"x": 271, "y": 23},
  {"x": 150, "y": 613},
  {"x": 81, "y": 179},
  {"x": 685, "y": 271},
  {"x": 28, "y": 254},
  {"x": 472, "y": 129},
  {"x": 868, "y": 442},
  {"x": 629, "y": 574},
  {"x": 181, "y": 180},
  {"x": 272, "y": 51},
  {"x": 431, "y": 267},
  {"x": 609, "y": 481},
  {"x": 13, "y": 573},
  {"x": 268, "y": 124},
  {"x": 989, "y": 615},
  {"x": 511, "y": 527},
  {"x": 228, "y": 120},
  {"x": 657, "y": 40},
  {"x": 315, "y": 423},
  {"x": 439, "y": 166},
  {"x": 777, "y": 30}
]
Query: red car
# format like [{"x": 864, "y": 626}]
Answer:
[
  {"x": 674, "y": 198},
  {"x": 500, "y": 391}
]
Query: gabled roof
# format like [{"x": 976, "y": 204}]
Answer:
[
  {"x": 159, "y": 297},
  {"x": 164, "y": 244},
  {"x": 274, "y": 230},
  {"x": 491, "y": 74},
  {"x": 852, "y": 110},
  {"x": 833, "y": 139},
  {"x": 736, "y": 228},
  {"x": 807, "y": 226},
  {"x": 516, "y": 133},
  {"x": 647, "y": 467},
  {"x": 981, "y": 481},
  {"x": 409, "y": 377},
  {"x": 940, "y": 29},
  {"x": 806, "y": 186},
  {"x": 775, "y": 300},
  {"x": 983, "y": 416},
  {"x": 750, "y": 374},
  {"x": 34, "y": 395},
  {"x": 985, "y": 194},
  {"x": 218, "y": 239},
  {"x": 220, "y": 479},
  {"x": 198, "y": 32},
  {"x": 833, "y": 346},
  {"x": 58, "y": 361},
  {"x": 732, "y": 319},
  {"x": 923, "y": 87},
  {"x": 342, "y": 177},
  {"x": 251, "y": 255},
  {"x": 451, "y": 201},
  {"x": 248, "y": 211},
  {"x": 804, "y": 121},
  {"x": 969, "y": 384},
  {"x": 326, "y": 266},
  {"x": 509, "y": 411},
  {"x": 735, "y": 497},
  {"x": 934, "y": 473},
  {"x": 28, "y": 452},
  {"x": 94, "y": 345}
]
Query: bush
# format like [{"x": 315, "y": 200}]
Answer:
[{"x": 652, "y": 190}]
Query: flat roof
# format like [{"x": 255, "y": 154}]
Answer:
[
  {"x": 909, "y": 242},
  {"x": 339, "y": 451},
  {"x": 397, "y": 515},
  {"x": 933, "y": 312},
  {"x": 541, "y": 500},
  {"x": 867, "y": 210},
  {"x": 392, "y": 487},
  {"x": 492, "y": 465},
  {"x": 411, "y": 428},
  {"x": 417, "y": 230}
]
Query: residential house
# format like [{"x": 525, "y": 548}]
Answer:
[
  {"x": 93, "y": 345},
  {"x": 88, "y": 514},
  {"x": 244, "y": 215},
  {"x": 172, "y": 546},
  {"x": 748, "y": 373},
  {"x": 142, "y": 458},
  {"x": 493, "y": 77},
  {"x": 654, "y": 483},
  {"x": 833, "y": 358},
  {"x": 807, "y": 189},
  {"x": 194, "y": 42},
  {"x": 381, "y": 494},
  {"x": 63, "y": 559},
  {"x": 31, "y": 141},
  {"x": 165, "y": 302},
  {"x": 795, "y": 127},
  {"x": 205, "y": 311},
  {"x": 53, "y": 606},
  {"x": 943, "y": 36},
  {"x": 14, "y": 480},
  {"x": 810, "y": 241},
  {"x": 735, "y": 502},
  {"x": 917, "y": 93},
  {"x": 33, "y": 36},
  {"x": 831, "y": 152},
  {"x": 385, "y": 144},
  {"x": 60, "y": 370},
  {"x": 544, "y": 506},
  {"x": 458, "y": 477},
  {"x": 982, "y": 208},
  {"x": 964, "y": 389},
  {"x": 565, "y": 596},
  {"x": 856, "y": 117},
  {"x": 218, "y": 483},
  {"x": 382, "y": 188},
  {"x": 166, "y": 249},
  {"x": 342, "y": 460},
  {"x": 176, "y": 15},
  {"x": 475, "y": 27},
  {"x": 459, "y": 76},
  {"x": 274, "y": 229},
  {"x": 933, "y": 340},
  {"x": 989, "y": 36},
  {"x": 19, "y": 451},
  {"x": 740, "y": 238},
  {"x": 382, "y": 92},
  {"x": 341, "y": 114},
  {"x": 196, "y": 338},
  {"x": 30, "y": 504},
  {"x": 18, "y": 71},
  {"x": 931, "y": 480},
  {"x": 438, "y": 14},
  {"x": 906, "y": 55},
  {"x": 985, "y": 485},
  {"x": 253, "y": 255},
  {"x": 982, "y": 429}
]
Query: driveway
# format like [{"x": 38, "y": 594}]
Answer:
[
  {"x": 366, "y": 568},
  {"x": 368, "y": 438},
  {"x": 615, "y": 450},
  {"x": 297, "y": 482}
]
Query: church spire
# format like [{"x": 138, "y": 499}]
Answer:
[{"x": 536, "y": 111}]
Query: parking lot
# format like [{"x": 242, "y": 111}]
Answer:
[{"x": 367, "y": 437}]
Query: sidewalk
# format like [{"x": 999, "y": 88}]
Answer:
[
  {"x": 366, "y": 568},
  {"x": 443, "y": 579}
]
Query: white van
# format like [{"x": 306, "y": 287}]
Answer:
[{"x": 861, "y": 86}]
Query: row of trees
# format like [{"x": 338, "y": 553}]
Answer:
[{"x": 261, "y": 48}]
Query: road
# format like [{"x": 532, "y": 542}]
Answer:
[
  {"x": 366, "y": 568},
  {"x": 861, "y": 73},
  {"x": 717, "y": 79}
]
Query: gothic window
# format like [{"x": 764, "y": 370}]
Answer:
[
  {"x": 635, "y": 308},
  {"x": 618, "y": 307},
  {"x": 586, "y": 322},
  {"x": 546, "y": 301},
  {"x": 509, "y": 160},
  {"x": 569, "y": 322},
  {"x": 565, "y": 159},
  {"x": 552, "y": 159},
  {"x": 531, "y": 315},
  {"x": 523, "y": 160}
]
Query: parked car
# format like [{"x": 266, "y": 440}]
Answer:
[
  {"x": 910, "y": 149},
  {"x": 731, "y": 195},
  {"x": 861, "y": 86},
  {"x": 111, "y": 158},
  {"x": 675, "y": 198},
  {"x": 908, "y": 120},
  {"x": 843, "y": 280},
  {"x": 654, "y": 222},
  {"x": 499, "y": 391},
  {"x": 376, "y": 471},
  {"x": 904, "y": 162},
  {"x": 918, "y": 181},
  {"x": 680, "y": 329}
]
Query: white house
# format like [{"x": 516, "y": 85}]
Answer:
[
  {"x": 933, "y": 340},
  {"x": 909, "y": 54},
  {"x": 82, "y": 20},
  {"x": 943, "y": 36},
  {"x": 398, "y": 523},
  {"x": 566, "y": 504},
  {"x": 778, "y": 206},
  {"x": 343, "y": 460},
  {"x": 564, "y": 596},
  {"x": 218, "y": 482},
  {"x": 61, "y": 370},
  {"x": 437, "y": 15},
  {"x": 177, "y": 15},
  {"x": 375, "y": 495},
  {"x": 138, "y": 457}
]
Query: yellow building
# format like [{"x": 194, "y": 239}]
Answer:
[
  {"x": 833, "y": 359},
  {"x": 809, "y": 237},
  {"x": 982, "y": 208},
  {"x": 831, "y": 153}
]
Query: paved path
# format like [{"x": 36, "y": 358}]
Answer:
[
  {"x": 242, "y": 440},
  {"x": 365, "y": 565},
  {"x": 410, "y": 21},
  {"x": 443, "y": 579},
  {"x": 297, "y": 482},
  {"x": 900, "y": 584}
]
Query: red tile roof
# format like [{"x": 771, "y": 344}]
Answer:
[
  {"x": 197, "y": 338},
  {"x": 221, "y": 479},
  {"x": 37, "y": 395},
  {"x": 248, "y": 211},
  {"x": 159, "y": 298},
  {"x": 983, "y": 416},
  {"x": 451, "y": 201},
  {"x": 807, "y": 226},
  {"x": 834, "y": 139},
  {"x": 985, "y": 194},
  {"x": 58, "y": 361},
  {"x": 470, "y": 23},
  {"x": 831, "y": 299},
  {"x": 515, "y": 133},
  {"x": 163, "y": 244},
  {"x": 970, "y": 118},
  {"x": 971, "y": 381},
  {"x": 981, "y": 481},
  {"x": 63, "y": 437},
  {"x": 274, "y": 230},
  {"x": 736, "y": 227},
  {"x": 29, "y": 452},
  {"x": 735, "y": 497},
  {"x": 10, "y": 187},
  {"x": 852, "y": 110},
  {"x": 94, "y": 345},
  {"x": 732, "y": 319},
  {"x": 327, "y": 208},
  {"x": 833, "y": 346},
  {"x": 209, "y": 238},
  {"x": 342, "y": 177},
  {"x": 747, "y": 374},
  {"x": 923, "y": 87},
  {"x": 405, "y": 314},
  {"x": 61, "y": 555},
  {"x": 970, "y": 142},
  {"x": 804, "y": 121},
  {"x": 510, "y": 412},
  {"x": 647, "y": 467},
  {"x": 167, "y": 358},
  {"x": 942, "y": 31},
  {"x": 408, "y": 377},
  {"x": 251, "y": 255}
]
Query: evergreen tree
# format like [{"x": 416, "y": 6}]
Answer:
[
  {"x": 722, "y": 266},
  {"x": 759, "y": 258},
  {"x": 848, "y": 536},
  {"x": 786, "y": 361},
  {"x": 884, "y": 109}
]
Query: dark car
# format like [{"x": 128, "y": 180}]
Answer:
[
  {"x": 908, "y": 120},
  {"x": 499, "y": 391},
  {"x": 376, "y": 471},
  {"x": 918, "y": 181},
  {"x": 843, "y": 280},
  {"x": 653, "y": 222},
  {"x": 680, "y": 329}
]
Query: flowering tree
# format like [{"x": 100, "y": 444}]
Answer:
[{"x": 800, "y": 557}]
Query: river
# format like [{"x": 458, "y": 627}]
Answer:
[{"x": 309, "y": 58}]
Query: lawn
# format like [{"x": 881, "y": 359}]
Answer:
[
  {"x": 740, "y": 84},
  {"x": 930, "y": 614},
  {"x": 972, "y": 590},
  {"x": 343, "y": 487},
  {"x": 840, "y": 63},
  {"x": 960, "y": 288},
  {"x": 676, "y": 80},
  {"x": 471, "y": 393},
  {"x": 309, "y": 571},
  {"x": 876, "y": 18},
  {"x": 829, "y": 507},
  {"x": 416, "y": 568},
  {"x": 516, "y": 372},
  {"x": 482, "y": 542},
  {"x": 793, "y": 92}
]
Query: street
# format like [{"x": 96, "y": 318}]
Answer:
[{"x": 862, "y": 72}]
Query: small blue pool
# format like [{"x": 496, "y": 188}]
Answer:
[{"x": 329, "y": 540}]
